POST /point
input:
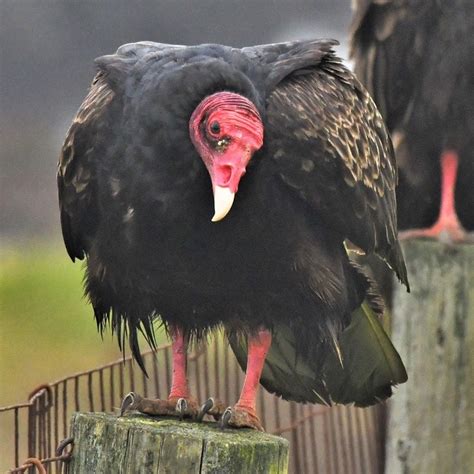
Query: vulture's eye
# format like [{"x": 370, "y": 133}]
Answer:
[{"x": 214, "y": 128}]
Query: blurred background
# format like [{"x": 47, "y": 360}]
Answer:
[{"x": 47, "y": 48}]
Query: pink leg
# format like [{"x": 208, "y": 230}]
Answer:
[
  {"x": 179, "y": 402},
  {"x": 244, "y": 414},
  {"x": 179, "y": 381},
  {"x": 447, "y": 227},
  {"x": 257, "y": 352}
]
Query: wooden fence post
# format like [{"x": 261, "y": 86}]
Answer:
[
  {"x": 105, "y": 443},
  {"x": 431, "y": 417}
]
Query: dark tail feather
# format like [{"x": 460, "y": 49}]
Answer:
[
  {"x": 145, "y": 327},
  {"x": 370, "y": 365},
  {"x": 135, "y": 348}
]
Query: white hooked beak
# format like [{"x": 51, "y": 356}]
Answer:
[{"x": 223, "y": 200}]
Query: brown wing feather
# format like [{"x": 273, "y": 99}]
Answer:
[
  {"x": 76, "y": 169},
  {"x": 332, "y": 147}
]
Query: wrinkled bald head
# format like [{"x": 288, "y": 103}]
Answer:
[{"x": 226, "y": 130}]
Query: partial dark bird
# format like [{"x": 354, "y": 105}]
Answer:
[
  {"x": 161, "y": 144},
  {"x": 416, "y": 58}
]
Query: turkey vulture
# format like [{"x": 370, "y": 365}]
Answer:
[
  {"x": 416, "y": 58},
  {"x": 160, "y": 145}
]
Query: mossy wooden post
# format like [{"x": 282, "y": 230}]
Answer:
[
  {"x": 431, "y": 417},
  {"x": 139, "y": 444}
]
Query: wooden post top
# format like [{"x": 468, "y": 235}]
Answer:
[{"x": 138, "y": 443}]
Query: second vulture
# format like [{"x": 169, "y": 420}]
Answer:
[
  {"x": 161, "y": 144},
  {"x": 416, "y": 58}
]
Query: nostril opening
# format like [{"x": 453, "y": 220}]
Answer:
[{"x": 225, "y": 172}]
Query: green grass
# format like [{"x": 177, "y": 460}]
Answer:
[{"x": 47, "y": 329}]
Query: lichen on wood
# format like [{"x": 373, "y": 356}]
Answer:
[{"x": 106, "y": 443}]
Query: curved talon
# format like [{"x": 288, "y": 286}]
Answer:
[
  {"x": 181, "y": 408},
  {"x": 208, "y": 405},
  {"x": 225, "y": 418},
  {"x": 129, "y": 402}
]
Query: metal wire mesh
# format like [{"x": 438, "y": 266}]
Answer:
[{"x": 322, "y": 440}]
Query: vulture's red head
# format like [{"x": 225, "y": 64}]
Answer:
[{"x": 226, "y": 130}]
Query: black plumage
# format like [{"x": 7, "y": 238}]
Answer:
[
  {"x": 136, "y": 201},
  {"x": 416, "y": 58}
]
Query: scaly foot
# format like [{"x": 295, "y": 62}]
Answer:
[
  {"x": 240, "y": 417},
  {"x": 173, "y": 406},
  {"x": 446, "y": 232}
]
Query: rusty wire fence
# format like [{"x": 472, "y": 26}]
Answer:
[{"x": 322, "y": 440}]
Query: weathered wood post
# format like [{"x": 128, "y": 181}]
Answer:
[
  {"x": 138, "y": 444},
  {"x": 431, "y": 418}
]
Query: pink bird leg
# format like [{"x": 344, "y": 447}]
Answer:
[{"x": 447, "y": 227}]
